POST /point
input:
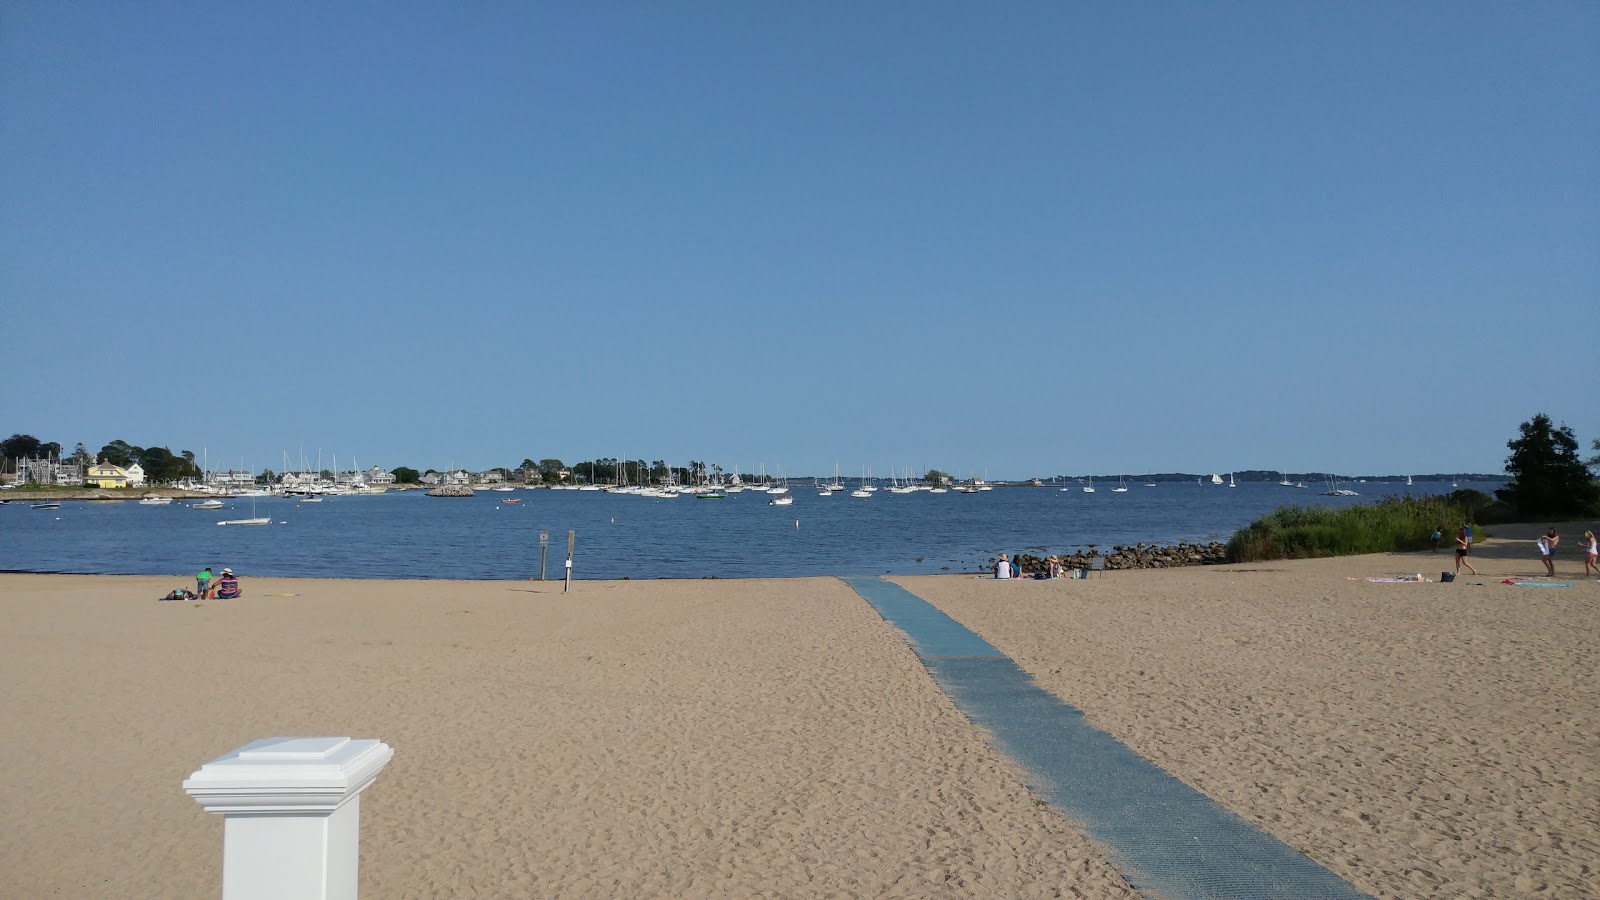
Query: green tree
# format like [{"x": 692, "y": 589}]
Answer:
[
  {"x": 23, "y": 446},
  {"x": 50, "y": 449},
  {"x": 80, "y": 456},
  {"x": 550, "y": 470},
  {"x": 1594, "y": 461},
  {"x": 161, "y": 466},
  {"x": 935, "y": 476},
  {"x": 1548, "y": 479},
  {"x": 121, "y": 453},
  {"x": 406, "y": 475},
  {"x": 267, "y": 476}
]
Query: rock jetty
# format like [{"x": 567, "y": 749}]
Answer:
[
  {"x": 1138, "y": 556},
  {"x": 452, "y": 490}
]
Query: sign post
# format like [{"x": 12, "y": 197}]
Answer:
[
  {"x": 571, "y": 539},
  {"x": 544, "y": 551}
]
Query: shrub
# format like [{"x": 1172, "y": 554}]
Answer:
[{"x": 1393, "y": 524}]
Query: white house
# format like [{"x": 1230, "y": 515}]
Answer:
[{"x": 135, "y": 474}]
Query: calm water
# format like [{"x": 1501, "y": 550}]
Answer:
[{"x": 409, "y": 535}]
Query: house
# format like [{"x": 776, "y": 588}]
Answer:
[
  {"x": 377, "y": 476},
  {"x": 104, "y": 475},
  {"x": 135, "y": 475}
]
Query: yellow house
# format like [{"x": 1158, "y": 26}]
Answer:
[{"x": 105, "y": 475}]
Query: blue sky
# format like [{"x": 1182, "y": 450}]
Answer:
[{"x": 1011, "y": 239}]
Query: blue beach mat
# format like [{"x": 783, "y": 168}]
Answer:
[{"x": 1166, "y": 838}]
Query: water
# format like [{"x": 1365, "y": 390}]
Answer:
[{"x": 409, "y": 535}]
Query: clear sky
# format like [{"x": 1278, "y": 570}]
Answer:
[{"x": 1013, "y": 239}]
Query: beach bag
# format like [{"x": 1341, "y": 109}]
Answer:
[{"x": 1447, "y": 576}]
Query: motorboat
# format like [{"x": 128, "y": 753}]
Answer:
[
  {"x": 509, "y": 500},
  {"x": 153, "y": 500},
  {"x": 784, "y": 499},
  {"x": 206, "y": 504},
  {"x": 51, "y": 504}
]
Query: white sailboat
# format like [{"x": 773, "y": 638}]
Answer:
[
  {"x": 1215, "y": 478},
  {"x": 253, "y": 520},
  {"x": 1089, "y": 488},
  {"x": 1230, "y": 480},
  {"x": 1122, "y": 487}
]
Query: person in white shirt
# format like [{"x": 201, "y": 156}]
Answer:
[
  {"x": 1002, "y": 569},
  {"x": 1591, "y": 554}
]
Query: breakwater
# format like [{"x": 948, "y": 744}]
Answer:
[{"x": 1136, "y": 556}]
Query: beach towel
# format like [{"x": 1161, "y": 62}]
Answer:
[{"x": 1536, "y": 583}]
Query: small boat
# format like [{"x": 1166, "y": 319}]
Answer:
[
  {"x": 504, "y": 488},
  {"x": 1089, "y": 488},
  {"x": 784, "y": 499},
  {"x": 512, "y": 500},
  {"x": 711, "y": 495},
  {"x": 153, "y": 500},
  {"x": 206, "y": 504},
  {"x": 264, "y": 520},
  {"x": 48, "y": 505},
  {"x": 1230, "y": 480}
]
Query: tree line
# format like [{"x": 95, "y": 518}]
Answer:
[
  {"x": 160, "y": 464},
  {"x": 1549, "y": 477}
]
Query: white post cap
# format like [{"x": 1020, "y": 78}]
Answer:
[{"x": 289, "y": 775}]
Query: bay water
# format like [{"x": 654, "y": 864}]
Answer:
[{"x": 405, "y": 534}]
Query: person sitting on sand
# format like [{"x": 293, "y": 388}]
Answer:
[
  {"x": 179, "y": 593},
  {"x": 228, "y": 586},
  {"x": 1055, "y": 567},
  {"x": 1002, "y": 569},
  {"x": 1463, "y": 544}
]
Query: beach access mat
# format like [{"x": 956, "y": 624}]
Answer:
[{"x": 1167, "y": 839}]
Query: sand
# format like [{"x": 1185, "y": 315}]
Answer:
[
  {"x": 776, "y": 738},
  {"x": 649, "y": 739},
  {"x": 1420, "y": 740}
]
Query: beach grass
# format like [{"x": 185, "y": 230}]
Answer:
[{"x": 1392, "y": 525}]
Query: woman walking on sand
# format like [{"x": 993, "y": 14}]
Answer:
[
  {"x": 1591, "y": 554},
  {"x": 1462, "y": 543},
  {"x": 1547, "y": 550}
]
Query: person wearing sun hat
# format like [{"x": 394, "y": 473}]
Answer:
[{"x": 228, "y": 586}]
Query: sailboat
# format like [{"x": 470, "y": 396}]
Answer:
[
  {"x": 265, "y": 520},
  {"x": 1121, "y": 488},
  {"x": 1230, "y": 480},
  {"x": 1408, "y": 481},
  {"x": 1215, "y": 478},
  {"x": 1089, "y": 488},
  {"x": 1284, "y": 481}
]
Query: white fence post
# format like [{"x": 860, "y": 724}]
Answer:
[{"x": 291, "y": 812}]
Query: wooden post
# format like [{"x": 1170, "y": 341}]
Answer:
[
  {"x": 291, "y": 812},
  {"x": 571, "y": 539},
  {"x": 544, "y": 551}
]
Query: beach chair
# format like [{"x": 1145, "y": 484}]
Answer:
[{"x": 1096, "y": 564}]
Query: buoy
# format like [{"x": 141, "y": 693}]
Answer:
[{"x": 796, "y": 524}]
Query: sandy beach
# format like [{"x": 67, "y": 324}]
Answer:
[{"x": 775, "y": 737}]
